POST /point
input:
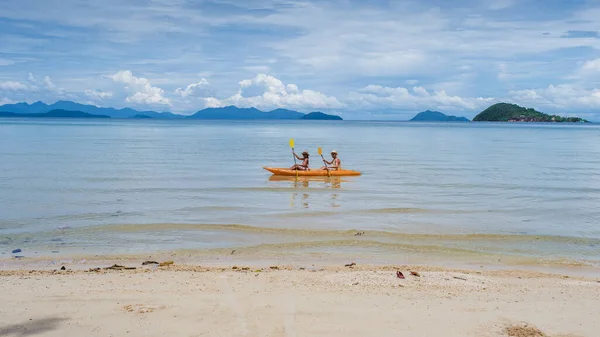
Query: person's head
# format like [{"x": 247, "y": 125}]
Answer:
[
  {"x": 305, "y": 154},
  {"x": 334, "y": 153}
]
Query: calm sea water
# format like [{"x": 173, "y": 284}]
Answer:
[{"x": 132, "y": 186}]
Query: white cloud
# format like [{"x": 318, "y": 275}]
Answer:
[
  {"x": 6, "y": 62},
  {"x": 98, "y": 95},
  {"x": 199, "y": 89},
  {"x": 560, "y": 97},
  {"x": 267, "y": 92},
  {"x": 49, "y": 84},
  {"x": 142, "y": 92},
  {"x": 13, "y": 86},
  {"x": 417, "y": 98},
  {"x": 31, "y": 78},
  {"x": 6, "y": 101},
  {"x": 591, "y": 66}
]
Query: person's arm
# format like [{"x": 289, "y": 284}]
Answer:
[{"x": 299, "y": 158}]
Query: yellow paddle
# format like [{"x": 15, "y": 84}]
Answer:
[
  {"x": 292, "y": 146},
  {"x": 320, "y": 151}
]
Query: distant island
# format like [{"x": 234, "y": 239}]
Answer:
[
  {"x": 56, "y": 113},
  {"x": 76, "y": 110},
  {"x": 436, "y": 116},
  {"x": 506, "y": 112},
  {"x": 321, "y": 116}
]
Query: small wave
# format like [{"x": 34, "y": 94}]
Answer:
[{"x": 323, "y": 233}]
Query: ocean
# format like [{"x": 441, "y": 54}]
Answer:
[{"x": 525, "y": 193}]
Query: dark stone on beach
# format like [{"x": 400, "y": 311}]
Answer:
[
  {"x": 63, "y": 268},
  {"x": 350, "y": 264},
  {"x": 19, "y": 256},
  {"x": 18, "y": 250}
]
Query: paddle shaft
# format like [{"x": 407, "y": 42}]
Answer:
[
  {"x": 295, "y": 163},
  {"x": 324, "y": 162}
]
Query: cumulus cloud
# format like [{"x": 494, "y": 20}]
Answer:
[
  {"x": 201, "y": 88},
  {"x": 49, "y": 84},
  {"x": 6, "y": 101},
  {"x": 98, "y": 95},
  {"x": 140, "y": 89},
  {"x": 416, "y": 98},
  {"x": 559, "y": 97},
  {"x": 267, "y": 92},
  {"x": 13, "y": 86},
  {"x": 591, "y": 66}
]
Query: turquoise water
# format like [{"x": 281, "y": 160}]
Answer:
[{"x": 131, "y": 186}]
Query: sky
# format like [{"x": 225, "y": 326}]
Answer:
[{"x": 360, "y": 59}]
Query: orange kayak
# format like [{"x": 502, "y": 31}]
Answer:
[{"x": 311, "y": 173}]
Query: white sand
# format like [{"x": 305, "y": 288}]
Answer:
[{"x": 369, "y": 301}]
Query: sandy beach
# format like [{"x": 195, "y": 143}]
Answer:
[{"x": 242, "y": 300}]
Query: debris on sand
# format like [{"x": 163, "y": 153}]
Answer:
[
  {"x": 359, "y": 234},
  {"x": 149, "y": 262},
  {"x": 399, "y": 275},
  {"x": 350, "y": 264},
  {"x": 118, "y": 267},
  {"x": 524, "y": 330},
  {"x": 166, "y": 263},
  {"x": 414, "y": 273},
  {"x": 460, "y": 278},
  {"x": 63, "y": 268},
  {"x": 140, "y": 308}
]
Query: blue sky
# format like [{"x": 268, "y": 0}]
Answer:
[{"x": 360, "y": 59}]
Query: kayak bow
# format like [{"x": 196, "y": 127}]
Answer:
[{"x": 311, "y": 173}]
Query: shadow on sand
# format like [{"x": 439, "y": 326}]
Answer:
[{"x": 32, "y": 327}]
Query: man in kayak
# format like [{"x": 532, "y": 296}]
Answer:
[
  {"x": 335, "y": 163},
  {"x": 304, "y": 165}
]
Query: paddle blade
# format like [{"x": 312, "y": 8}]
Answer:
[
  {"x": 320, "y": 151},
  {"x": 292, "y": 143}
]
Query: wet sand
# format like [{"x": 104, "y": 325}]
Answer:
[{"x": 279, "y": 300}]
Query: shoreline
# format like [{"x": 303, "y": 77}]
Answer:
[
  {"x": 262, "y": 299},
  {"x": 234, "y": 257}
]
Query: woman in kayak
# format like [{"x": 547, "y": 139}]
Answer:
[
  {"x": 336, "y": 163},
  {"x": 302, "y": 166}
]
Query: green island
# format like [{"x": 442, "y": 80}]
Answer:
[{"x": 506, "y": 112}]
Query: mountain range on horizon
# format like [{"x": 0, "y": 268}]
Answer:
[
  {"x": 227, "y": 112},
  {"x": 499, "y": 112}
]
